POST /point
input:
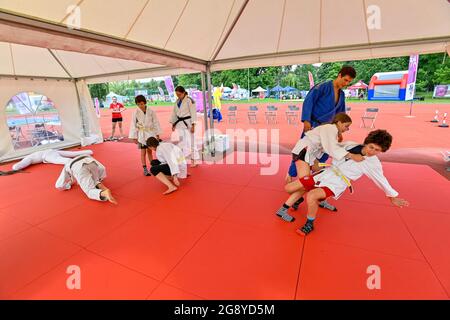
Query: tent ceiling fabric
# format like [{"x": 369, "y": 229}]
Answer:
[{"x": 271, "y": 32}]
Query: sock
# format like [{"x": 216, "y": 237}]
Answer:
[
  {"x": 282, "y": 211},
  {"x": 299, "y": 201},
  {"x": 326, "y": 205},
  {"x": 285, "y": 206},
  {"x": 310, "y": 220}
]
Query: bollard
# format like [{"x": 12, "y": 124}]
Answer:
[
  {"x": 444, "y": 121},
  {"x": 436, "y": 117}
]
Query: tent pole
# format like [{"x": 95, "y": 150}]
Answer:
[
  {"x": 209, "y": 101},
  {"x": 205, "y": 108},
  {"x": 84, "y": 122}
]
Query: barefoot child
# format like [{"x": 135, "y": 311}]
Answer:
[
  {"x": 169, "y": 162},
  {"x": 89, "y": 173},
  {"x": 183, "y": 119},
  {"x": 144, "y": 124},
  {"x": 316, "y": 142},
  {"x": 334, "y": 180}
]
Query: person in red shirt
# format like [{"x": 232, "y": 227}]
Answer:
[{"x": 116, "y": 109}]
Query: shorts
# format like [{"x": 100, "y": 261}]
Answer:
[
  {"x": 309, "y": 184},
  {"x": 300, "y": 156},
  {"x": 292, "y": 172},
  {"x": 158, "y": 167},
  {"x": 117, "y": 119},
  {"x": 142, "y": 146}
]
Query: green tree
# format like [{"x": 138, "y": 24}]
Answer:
[{"x": 99, "y": 90}]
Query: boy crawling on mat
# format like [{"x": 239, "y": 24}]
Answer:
[
  {"x": 169, "y": 163},
  {"x": 334, "y": 179},
  {"x": 89, "y": 173}
]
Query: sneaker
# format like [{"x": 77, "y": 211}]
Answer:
[
  {"x": 297, "y": 203},
  {"x": 306, "y": 229}
]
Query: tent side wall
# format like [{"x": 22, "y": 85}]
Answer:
[{"x": 64, "y": 96}]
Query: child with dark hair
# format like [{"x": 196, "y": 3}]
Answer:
[
  {"x": 144, "y": 124},
  {"x": 169, "y": 162},
  {"x": 310, "y": 148},
  {"x": 334, "y": 180}
]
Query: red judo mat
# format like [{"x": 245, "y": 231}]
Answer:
[{"x": 217, "y": 237}]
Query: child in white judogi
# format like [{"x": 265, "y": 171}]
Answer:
[
  {"x": 50, "y": 156},
  {"x": 334, "y": 180},
  {"x": 89, "y": 174},
  {"x": 183, "y": 118},
  {"x": 144, "y": 124},
  {"x": 169, "y": 162}
]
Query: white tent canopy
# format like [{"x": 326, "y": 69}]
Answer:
[
  {"x": 259, "y": 89},
  {"x": 92, "y": 41},
  {"x": 230, "y": 34}
]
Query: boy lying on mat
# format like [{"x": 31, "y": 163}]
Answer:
[
  {"x": 89, "y": 173},
  {"x": 335, "y": 179}
]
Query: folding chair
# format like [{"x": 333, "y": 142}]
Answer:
[
  {"x": 271, "y": 115},
  {"x": 232, "y": 111},
  {"x": 292, "y": 114},
  {"x": 369, "y": 114},
  {"x": 15, "y": 132},
  {"x": 252, "y": 114}
]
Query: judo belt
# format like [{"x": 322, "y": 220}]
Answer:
[
  {"x": 76, "y": 160},
  {"x": 182, "y": 120},
  {"x": 141, "y": 127},
  {"x": 339, "y": 174}
]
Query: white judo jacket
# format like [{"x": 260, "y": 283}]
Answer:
[
  {"x": 370, "y": 167},
  {"x": 187, "y": 109},
  {"x": 320, "y": 140},
  {"x": 173, "y": 156},
  {"x": 87, "y": 172},
  {"x": 144, "y": 125}
]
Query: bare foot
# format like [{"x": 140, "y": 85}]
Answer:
[
  {"x": 193, "y": 164},
  {"x": 108, "y": 195},
  {"x": 170, "y": 190},
  {"x": 176, "y": 181}
]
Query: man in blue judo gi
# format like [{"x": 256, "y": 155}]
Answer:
[{"x": 322, "y": 103}]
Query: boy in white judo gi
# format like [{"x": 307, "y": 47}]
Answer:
[
  {"x": 89, "y": 174},
  {"x": 169, "y": 162},
  {"x": 334, "y": 180},
  {"x": 144, "y": 124},
  {"x": 183, "y": 118},
  {"x": 50, "y": 156},
  {"x": 315, "y": 143}
]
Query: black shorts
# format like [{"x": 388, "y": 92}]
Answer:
[
  {"x": 117, "y": 119},
  {"x": 300, "y": 156},
  {"x": 157, "y": 167}
]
